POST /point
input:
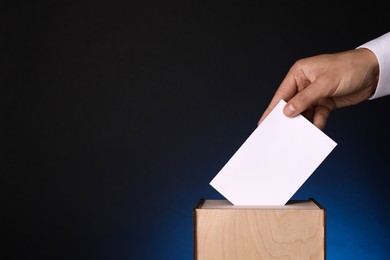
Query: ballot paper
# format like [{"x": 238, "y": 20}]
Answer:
[{"x": 274, "y": 162}]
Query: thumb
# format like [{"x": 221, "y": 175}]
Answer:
[{"x": 303, "y": 100}]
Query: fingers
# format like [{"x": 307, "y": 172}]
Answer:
[
  {"x": 307, "y": 97},
  {"x": 312, "y": 101},
  {"x": 286, "y": 90},
  {"x": 322, "y": 111},
  {"x": 301, "y": 91},
  {"x": 320, "y": 117}
]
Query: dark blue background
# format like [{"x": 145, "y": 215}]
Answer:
[{"x": 115, "y": 116}]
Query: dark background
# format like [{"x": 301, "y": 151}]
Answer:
[{"x": 116, "y": 115}]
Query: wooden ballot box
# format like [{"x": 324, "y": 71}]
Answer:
[{"x": 223, "y": 231}]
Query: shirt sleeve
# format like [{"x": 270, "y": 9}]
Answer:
[{"x": 381, "y": 48}]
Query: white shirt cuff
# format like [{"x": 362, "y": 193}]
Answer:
[{"x": 381, "y": 48}]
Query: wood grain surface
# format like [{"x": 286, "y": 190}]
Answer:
[{"x": 247, "y": 234}]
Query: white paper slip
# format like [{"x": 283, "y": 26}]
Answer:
[{"x": 274, "y": 162}]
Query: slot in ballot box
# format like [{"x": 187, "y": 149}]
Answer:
[{"x": 222, "y": 230}]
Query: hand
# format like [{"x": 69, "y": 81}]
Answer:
[{"x": 317, "y": 85}]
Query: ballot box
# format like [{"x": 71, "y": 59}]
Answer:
[{"x": 224, "y": 231}]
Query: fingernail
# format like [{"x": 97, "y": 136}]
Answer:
[{"x": 291, "y": 108}]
